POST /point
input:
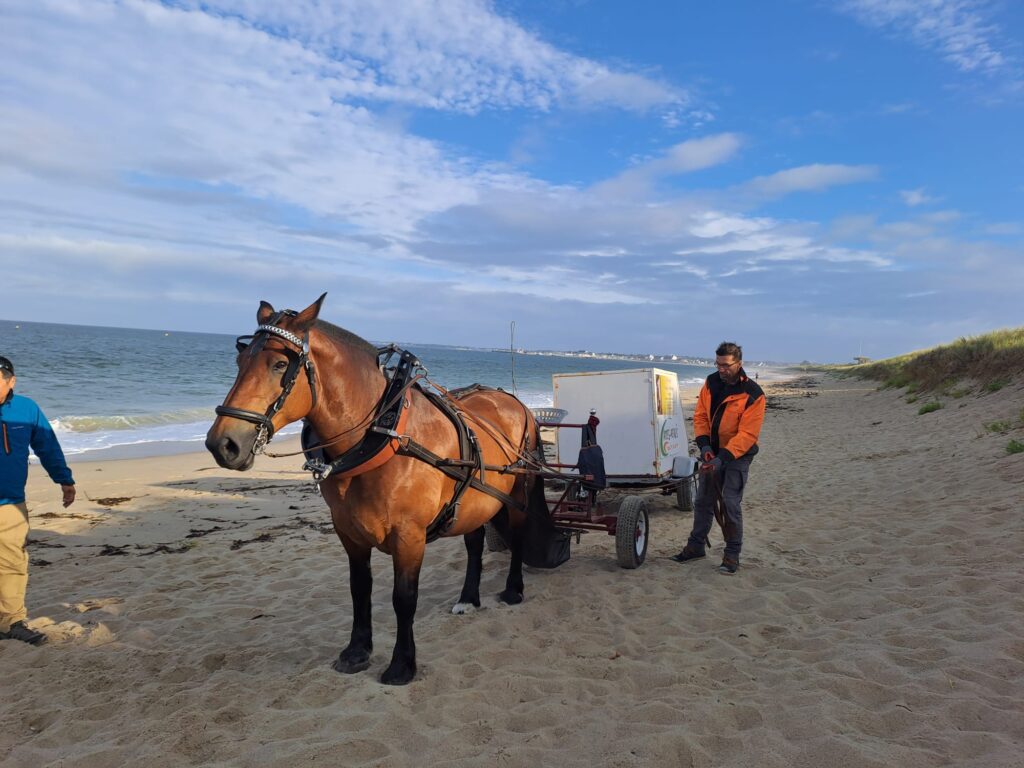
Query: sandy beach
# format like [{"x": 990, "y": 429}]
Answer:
[{"x": 877, "y": 619}]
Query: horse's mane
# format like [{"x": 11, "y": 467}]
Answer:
[{"x": 346, "y": 337}]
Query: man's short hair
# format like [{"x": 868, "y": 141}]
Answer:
[
  {"x": 6, "y": 367},
  {"x": 729, "y": 348}
]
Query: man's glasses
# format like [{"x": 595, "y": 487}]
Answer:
[{"x": 726, "y": 366}]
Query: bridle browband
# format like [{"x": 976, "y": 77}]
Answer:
[{"x": 298, "y": 359}]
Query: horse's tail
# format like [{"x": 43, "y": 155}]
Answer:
[
  {"x": 536, "y": 501},
  {"x": 544, "y": 546}
]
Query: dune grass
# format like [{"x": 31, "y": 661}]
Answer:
[{"x": 992, "y": 359}]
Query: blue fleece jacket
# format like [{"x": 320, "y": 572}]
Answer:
[{"x": 23, "y": 426}]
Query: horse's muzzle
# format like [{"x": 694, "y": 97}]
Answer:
[{"x": 232, "y": 449}]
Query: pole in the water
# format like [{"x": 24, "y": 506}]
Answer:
[{"x": 512, "y": 353}]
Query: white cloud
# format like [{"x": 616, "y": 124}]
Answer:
[
  {"x": 714, "y": 224},
  {"x": 1004, "y": 228},
  {"x": 267, "y": 100},
  {"x": 685, "y": 157},
  {"x": 446, "y": 54},
  {"x": 697, "y": 154},
  {"x": 916, "y": 197},
  {"x": 809, "y": 178},
  {"x": 957, "y": 29},
  {"x": 549, "y": 283}
]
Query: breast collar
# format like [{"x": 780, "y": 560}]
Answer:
[{"x": 382, "y": 439}]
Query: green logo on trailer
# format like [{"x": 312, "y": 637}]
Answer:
[{"x": 669, "y": 437}]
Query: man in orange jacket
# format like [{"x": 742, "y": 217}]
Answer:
[{"x": 726, "y": 424}]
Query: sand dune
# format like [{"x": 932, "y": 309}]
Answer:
[{"x": 877, "y": 619}]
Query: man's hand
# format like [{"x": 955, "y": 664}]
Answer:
[
  {"x": 706, "y": 454},
  {"x": 712, "y": 465},
  {"x": 69, "y": 494}
]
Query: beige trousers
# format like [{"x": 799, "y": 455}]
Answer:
[{"x": 13, "y": 563}]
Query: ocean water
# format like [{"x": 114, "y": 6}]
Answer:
[{"x": 146, "y": 392}]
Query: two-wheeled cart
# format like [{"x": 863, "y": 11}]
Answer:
[
  {"x": 580, "y": 507},
  {"x": 645, "y": 448}
]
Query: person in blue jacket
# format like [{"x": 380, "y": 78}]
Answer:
[{"x": 22, "y": 426}]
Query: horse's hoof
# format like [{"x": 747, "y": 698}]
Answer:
[
  {"x": 511, "y": 597},
  {"x": 398, "y": 674},
  {"x": 349, "y": 664},
  {"x": 462, "y": 608}
]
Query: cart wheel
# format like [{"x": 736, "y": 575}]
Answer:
[
  {"x": 685, "y": 493},
  {"x": 493, "y": 539},
  {"x": 631, "y": 532}
]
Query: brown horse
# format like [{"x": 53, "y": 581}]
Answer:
[{"x": 300, "y": 367}]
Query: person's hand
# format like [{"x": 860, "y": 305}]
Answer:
[
  {"x": 713, "y": 465},
  {"x": 69, "y": 494},
  {"x": 706, "y": 454}
]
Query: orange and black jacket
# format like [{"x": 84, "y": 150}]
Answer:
[{"x": 729, "y": 418}]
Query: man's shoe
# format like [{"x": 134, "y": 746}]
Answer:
[
  {"x": 728, "y": 565},
  {"x": 20, "y": 631},
  {"x": 688, "y": 553}
]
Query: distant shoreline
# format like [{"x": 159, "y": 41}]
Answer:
[{"x": 645, "y": 359}]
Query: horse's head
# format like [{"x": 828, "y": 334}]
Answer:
[{"x": 274, "y": 387}]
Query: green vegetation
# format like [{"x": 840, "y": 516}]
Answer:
[
  {"x": 911, "y": 398},
  {"x": 998, "y": 426},
  {"x": 956, "y": 394},
  {"x": 1015, "y": 446},
  {"x": 928, "y": 408},
  {"x": 994, "y": 359}
]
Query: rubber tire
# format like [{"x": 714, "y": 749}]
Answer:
[
  {"x": 686, "y": 491},
  {"x": 633, "y": 517},
  {"x": 493, "y": 539}
]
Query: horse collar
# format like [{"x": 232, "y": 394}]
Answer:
[{"x": 382, "y": 440}]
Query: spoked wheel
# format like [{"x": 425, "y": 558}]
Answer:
[
  {"x": 493, "y": 539},
  {"x": 632, "y": 532},
  {"x": 686, "y": 491}
]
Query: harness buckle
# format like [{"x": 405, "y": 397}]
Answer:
[{"x": 318, "y": 468}]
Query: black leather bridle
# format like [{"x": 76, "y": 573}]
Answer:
[{"x": 298, "y": 359}]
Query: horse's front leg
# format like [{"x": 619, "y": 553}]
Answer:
[
  {"x": 407, "y": 557},
  {"x": 356, "y": 655},
  {"x": 470, "y": 597}
]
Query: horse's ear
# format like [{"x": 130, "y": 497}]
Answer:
[
  {"x": 264, "y": 313},
  {"x": 308, "y": 316}
]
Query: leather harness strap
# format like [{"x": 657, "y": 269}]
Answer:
[{"x": 467, "y": 471}]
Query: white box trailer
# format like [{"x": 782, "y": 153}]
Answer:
[{"x": 642, "y": 430}]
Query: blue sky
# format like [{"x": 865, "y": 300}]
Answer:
[{"x": 811, "y": 178}]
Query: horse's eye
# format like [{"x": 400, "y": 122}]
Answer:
[{"x": 281, "y": 366}]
